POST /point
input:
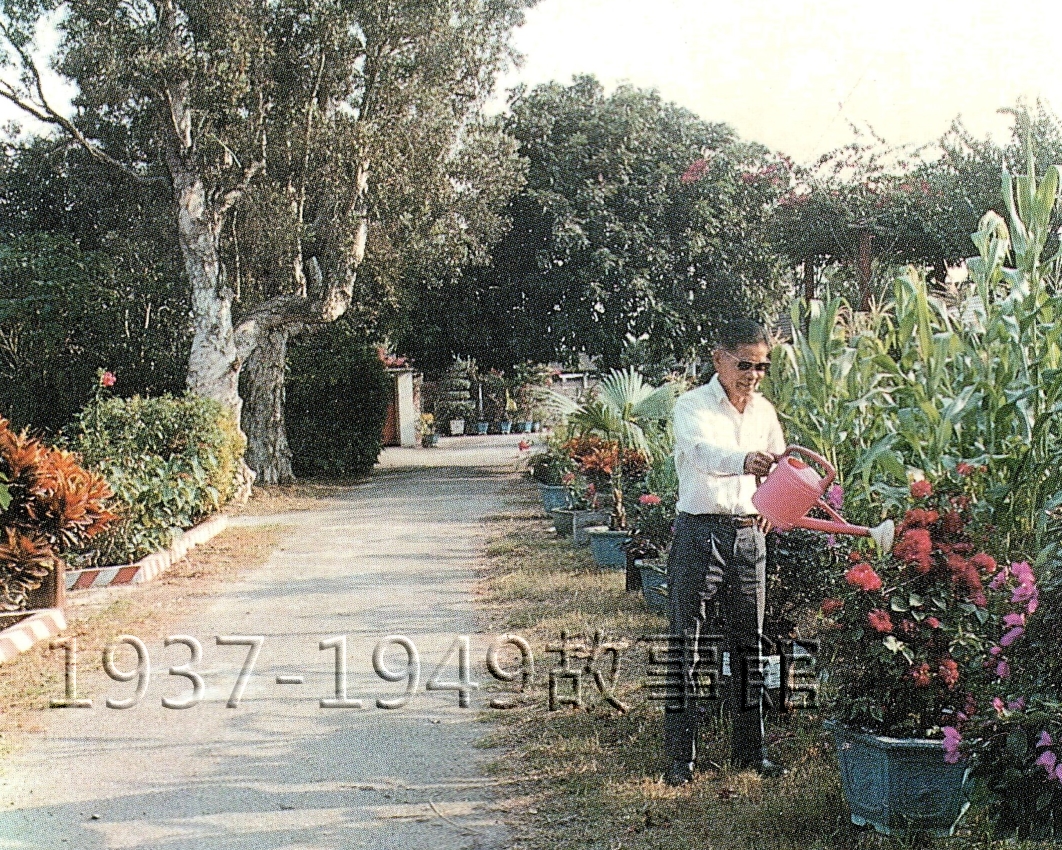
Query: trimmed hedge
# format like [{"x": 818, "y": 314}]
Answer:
[
  {"x": 337, "y": 394},
  {"x": 170, "y": 462}
]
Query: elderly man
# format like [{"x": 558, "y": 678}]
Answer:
[{"x": 726, "y": 434}]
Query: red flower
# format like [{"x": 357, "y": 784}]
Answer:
[
  {"x": 648, "y": 499},
  {"x": 864, "y": 577},
  {"x": 921, "y": 489},
  {"x": 855, "y": 556},
  {"x": 915, "y": 547},
  {"x": 107, "y": 379},
  {"x": 524, "y": 445},
  {"x": 880, "y": 620},
  {"x": 952, "y": 522},
  {"x": 919, "y": 518},
  {"x": 964, "y": 468},
  {"x": 829, "y": 606},
  {"x": 949, "y": 672},
  {"x": 908, "y": 627},
  {"x": 986, "y": 563},
  {"x": 921, "y": 675},
  {"x": 695, "y": 172},
  {"x": 932, "y": 622}
]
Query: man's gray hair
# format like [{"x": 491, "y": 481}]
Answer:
[{"x": 738, "y": 332}]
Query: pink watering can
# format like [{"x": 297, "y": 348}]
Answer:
[{"x": 793, "y": 488}]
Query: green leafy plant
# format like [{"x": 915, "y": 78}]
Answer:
[
  {"x": 908, "y": 633},
  {"x": 455, "y": 398},
  {"x": 170, "y": 462},
  {"x": 628, "y": 412}
]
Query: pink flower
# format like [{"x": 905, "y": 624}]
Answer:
[
  {"x": 952, "y": 740},
  {"x": 1011, "y": 636},
  {"x": 1045, "y": 739},
  {"x": 1047, "y": 761},
  {"x": 921, "y": 489},
  {"x": 995, "y": 650},
  {"x": 880, "y": 621},
  {"x": 932, "y": 622},
  {"x": 835, "y": 497},
  {"x": 997, "y": 704},
  {"x": 648, "y": 499},
  {"x": 107, "y": 379},
  {"x": 695, "y": 172},
  {"x": 998, "y": 581},
  {"x": 1013, "y": 620},
  {"x": 1003, "y": 669},
  {"x": 1016, "y": 705}
]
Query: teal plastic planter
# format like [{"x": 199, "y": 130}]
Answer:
[
  {"x": 505, "y": 426},
  {"x": 553, "y": 497},
  {"x": 525, "y": 427},
  {"x": 607, "y": 547},
  {"x": 482, "y": 428},
  {"x": 654, "y": 584},
  {"x": 898, "y": 785}
]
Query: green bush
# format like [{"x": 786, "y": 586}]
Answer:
[
  {"x": 337, "y": 397},
  {"x": 170, "y": 462}
]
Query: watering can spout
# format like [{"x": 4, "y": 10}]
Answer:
[
  {"x": 793, "y": 488},
  {"x": 882, "y": 534}
]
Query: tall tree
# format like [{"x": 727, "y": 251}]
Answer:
[
  {"x": 607, "y": 243},
  {"x": 211, "y": 100}
]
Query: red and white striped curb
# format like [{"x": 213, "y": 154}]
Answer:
[
  {"x": 40, "y": 625},
  {"x": 149, "y": 566}
]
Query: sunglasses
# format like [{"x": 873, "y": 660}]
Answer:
[{"x": 745, "y": 365}]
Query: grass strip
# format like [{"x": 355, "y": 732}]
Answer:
[{"x": 593, "y": 773}]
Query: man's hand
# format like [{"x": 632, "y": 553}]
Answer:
[{"x": 759, "y": 463}]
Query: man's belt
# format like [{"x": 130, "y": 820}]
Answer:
[{"x": 732, "y": 520}]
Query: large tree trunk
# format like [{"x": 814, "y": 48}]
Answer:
[
  {"x": 258, "y": 340},
  {"x": 268, "y": 453}
]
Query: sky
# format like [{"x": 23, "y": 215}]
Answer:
[{"x": 795, "y": 75}]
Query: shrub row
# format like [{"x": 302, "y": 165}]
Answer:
[{"x": 170, "y": 461}]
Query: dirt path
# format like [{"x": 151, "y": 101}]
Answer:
[{"x": 390, "y": 556}]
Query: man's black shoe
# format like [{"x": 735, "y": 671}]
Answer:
[{"x": 679, "y": 773}]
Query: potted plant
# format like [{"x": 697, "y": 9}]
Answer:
[
  {"x": 585, "y": 510},
  {"x": 630, "y": 416},
  {"x": 549, "y": 469},
  {"x": 426, "y": 429},
  {"x": 907, "y": 636},
  {"x": 529, "y": 389},
  {"x": 455, "y": 399}
]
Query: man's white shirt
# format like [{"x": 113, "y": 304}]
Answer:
[{"x": 711, "y": 441}]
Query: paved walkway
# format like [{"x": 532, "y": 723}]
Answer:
[{"x": 390, "y": 556}]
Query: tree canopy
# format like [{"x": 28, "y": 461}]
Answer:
[{"x": 608, "y": 245}]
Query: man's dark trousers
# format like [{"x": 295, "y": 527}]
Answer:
[{"x": 710, "y": 556}]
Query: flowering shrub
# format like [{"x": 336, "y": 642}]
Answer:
[
  {"x": 908, "y": 632},
  {"x": 52, "y": 505}
]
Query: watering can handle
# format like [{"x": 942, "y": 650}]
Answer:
[{"x": 831, "y": 473}]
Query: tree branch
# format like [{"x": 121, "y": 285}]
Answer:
[{"x": 43, "y": 111}]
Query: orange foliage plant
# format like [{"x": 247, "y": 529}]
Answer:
[{"x": 52, "y": 504}]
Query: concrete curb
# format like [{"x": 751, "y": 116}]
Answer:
[
  {"x": 40, "y": 625},
  {"x": 150, "y": 566}
]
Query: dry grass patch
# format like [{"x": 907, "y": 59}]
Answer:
[
  {"x": 95, "y": 617},
  {"x": 594, "y": 774},
  {"x": 300, "y": 496}
]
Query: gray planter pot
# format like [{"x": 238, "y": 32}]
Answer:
[
  {"x": 572, "y": 523},
  {"x": 654, "y": 583},
  {"x": 608, "y": 547},
  {"x": 900, "y": 784},
  {"x": 553, "y": 497}
]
